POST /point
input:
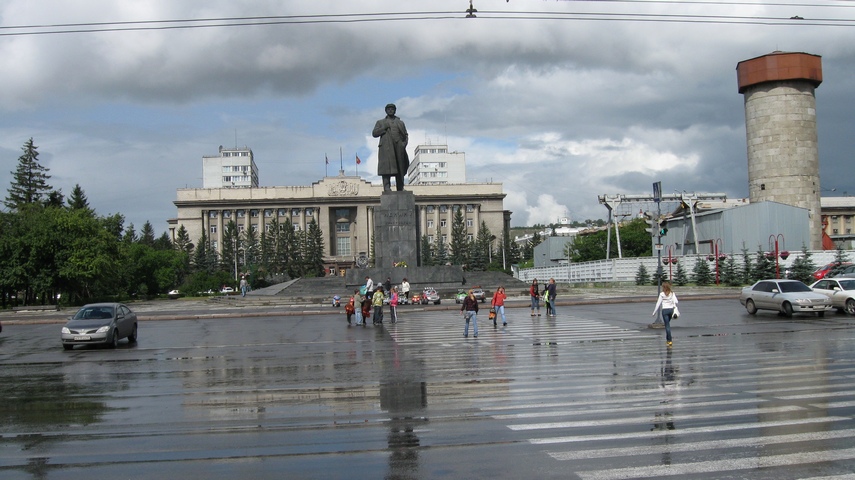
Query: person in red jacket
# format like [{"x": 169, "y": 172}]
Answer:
[
  {"x": 534, "y": 291},
  {"x": 499, "y": 305}
]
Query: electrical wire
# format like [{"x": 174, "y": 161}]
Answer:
[{"x": 220, "y": 22}]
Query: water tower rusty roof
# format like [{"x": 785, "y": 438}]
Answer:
[{"x": 778, "y": 66}]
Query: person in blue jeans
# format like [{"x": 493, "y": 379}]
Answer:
[
  {"x": 469, "y": 309},
  {"x": 549, "y": 292},
  {"x": 666, "y": 303}
]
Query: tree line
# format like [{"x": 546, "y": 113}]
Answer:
[{"x": 59, "y": 250}]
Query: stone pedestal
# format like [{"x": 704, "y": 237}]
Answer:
[{"x": 396, "y": 237}]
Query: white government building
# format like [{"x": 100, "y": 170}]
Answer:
[{"x": 343, "y": 205}]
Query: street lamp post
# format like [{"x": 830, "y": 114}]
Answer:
[
  {"x": 670, "y": 261},
  {"x": 773, "y": 239},
  {"x": 715, "y": 257}
]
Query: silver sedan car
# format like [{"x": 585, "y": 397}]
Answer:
[
  {"x": 840, "y": 290},
  {"x": 785, "y": 296},
  {"x": 100, "y": 323}
]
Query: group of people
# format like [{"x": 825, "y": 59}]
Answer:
[
  {"x": 371, "y": 296},
  {"x": 548, "y": 296}
]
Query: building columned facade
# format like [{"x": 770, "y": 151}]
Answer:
[{"x": 343, "y": 208}]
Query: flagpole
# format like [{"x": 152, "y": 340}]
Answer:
[
  {"x": 340, "y": 159},
  {"x": 326, "y": 165}
]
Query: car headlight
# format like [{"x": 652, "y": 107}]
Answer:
[
  {"x": 104, "y": 329},
  {"x": 802, "y": 301},
  {"x": 66, "y": 330}
]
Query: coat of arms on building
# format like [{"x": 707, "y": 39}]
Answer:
[{"x": 343, "y": 189}]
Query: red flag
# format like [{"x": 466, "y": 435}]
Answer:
[
  {"x": 327, "y": 159},
  {"x": 358, "y": 161}
]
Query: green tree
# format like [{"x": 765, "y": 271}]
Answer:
[
  {"x": 426, "y": 252},
  {"x": 459, "y": 241},
  {"x": 314, "y": 250},
  {"x": 482, "y": 251},
  {"x": 730, "y": 274},
  {"x": 78, "y": 200},
  {"x": 680, "y": 276},
  {"x": 803, "y": 266},
  {"x": 440, "y": 252},
  {"x": 641, "y": 275},
  {"x": 747, "y": 268},
  {"x": 763, "y": 267},
  {"x": 147, "y": 234},
  {"x": 703, "y": 275},
  {"x": 29, "y": 180}
]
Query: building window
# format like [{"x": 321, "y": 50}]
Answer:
[
  {"x": 241, "y": 213},
  {"x": 253, "y": 213},
  {"x": 282, "y": 212},
  {"x": 342, "y": 246},
  {"x": 443, "y": 208},
  {"x": 430, "y": 224},
  {"x": 214, "y": 244},
  {"x": 442, "y": 223},
  {"x": 268, "y": 227},
  {"x": 430, "y": 209},
  {"x": 470, "y": 208},
  {"x": 212, "y": 214},
  {"x": 240, "y": 228},
  {"x": 227, "y": 168},
  {"x": 295, "y": 212},
  {"x": 445, "y": 239},
  {"x": 342, "y": 227},
  {"x": 268, "y": 212},
  {"x": 470, "y": 237},
  {"x": 310, "y": 212},
  {"x": 469, "y": 222},
  {"x": 213, "y": 229},
  {"x": 430, "y": 239},
  {"x": 227, "y": 214},
  {"x": 254, "y": 227}
]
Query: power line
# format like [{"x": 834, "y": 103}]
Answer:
[{"x": 219, "y": 22}]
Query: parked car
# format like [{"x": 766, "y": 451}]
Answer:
[
  {"x": 843, "y": 271},
  {"x": 227, "y": 290},
  {"x": 841, "y": 291},
  {"x": 100, "y": 323},
  {"x": 429, "y": 295},
  {"x": 785, "y": 296},
  {"x": 461, "y": 294},
  {"x": 173, "y": 294},
  {"x": 827, "y": 269},
  {"x": 479, "y": 293},
  {"x": 416, "y": 298}
]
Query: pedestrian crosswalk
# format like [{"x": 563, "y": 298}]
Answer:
[
  {"x": 606, "y": 402},
  {"x": 430, "y": 328}
]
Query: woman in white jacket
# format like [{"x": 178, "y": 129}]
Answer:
[{"x": 668, "y": 303}]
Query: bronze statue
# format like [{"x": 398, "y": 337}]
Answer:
[{"x": 393, "y": 159}]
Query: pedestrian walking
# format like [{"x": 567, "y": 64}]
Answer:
[
  {"x": 393, "y": 305},
  {"x": 405, "y": 289},
  {"x": 499, "y": 306},
  {"x": 469, "y": 309},
  {"x": 350, "y": 309},
  {"x": 666, "y": 304},
  {"x": 534, "y": 291},
  {"x": 244, "y": 285},
  {"x": 377, "y": 301},
  {"x": 550, "y": 292},
  {"x": 357, "y": 300},
  {"x": 366, "y": 309}
]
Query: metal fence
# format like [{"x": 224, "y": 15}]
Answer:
[{"x": 625, "y": 269}]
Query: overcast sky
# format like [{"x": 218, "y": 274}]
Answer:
[{"x": 560, "y": 101}]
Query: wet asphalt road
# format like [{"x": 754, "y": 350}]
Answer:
[{"x": 590, "y": 394}]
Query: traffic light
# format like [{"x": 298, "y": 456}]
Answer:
[
  {"x": 662, "y": 230},
  {"x": 652, "y": 226}
]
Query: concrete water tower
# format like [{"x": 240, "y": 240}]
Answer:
[{"x": 780, "y": 123}]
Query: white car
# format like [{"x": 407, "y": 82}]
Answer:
[
  {"x": 227, "y": 290},
  {"x": 784, "y": 296},
  {"x": 841, "y": 291}
]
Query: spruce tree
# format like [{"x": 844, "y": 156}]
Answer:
[
  {"x": 459, "y": 241},
  {"x": 29, "y": 180},
  {"x": 703, "y": 275},
  {"x": 641, "y": 275},
  {"x": 680, "y": 276},
  {"x": 802, "y": 267}
]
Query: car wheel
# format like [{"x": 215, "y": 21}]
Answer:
[
  {"x": 132, "y": 338},
  {"x": 115, "y": 342},
  {"x": 749, "y": 305},
  {"x": 820, "y": 314},
  {"x": 850, "y": 306},
  {"x": 67, "y": 346},
  {"x": 437, "y": 302},
  {"x": 787, "y": 309}
]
